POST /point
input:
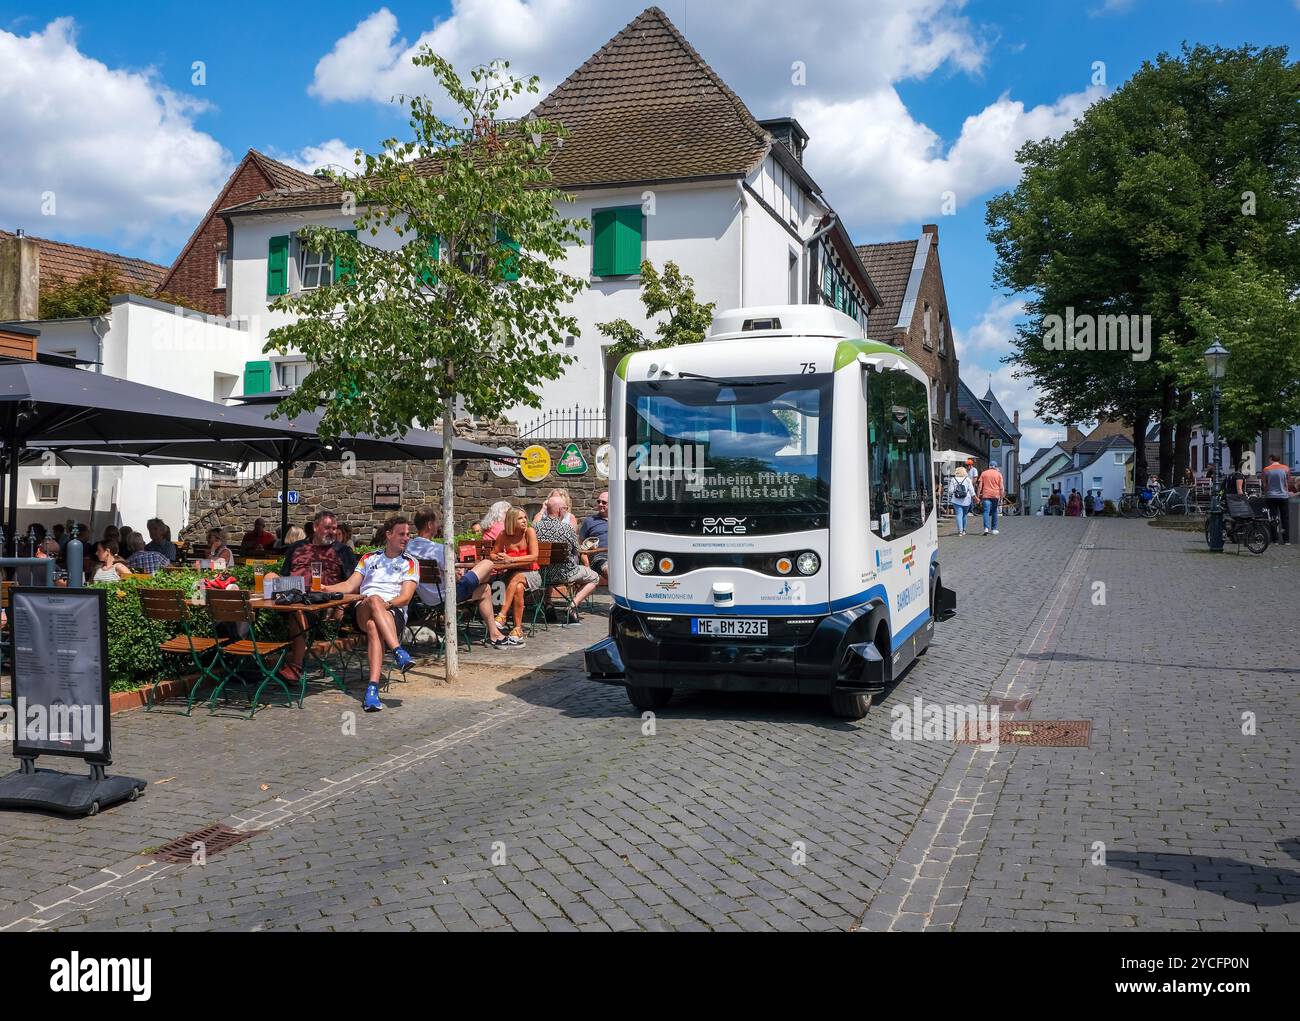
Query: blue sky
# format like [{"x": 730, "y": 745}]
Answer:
[{"x": 904, "y": 99}]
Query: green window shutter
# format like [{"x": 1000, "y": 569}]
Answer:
[
  {"x": 277, "y": 265},
  {"x": 257, "y": 377},
  {"x": 343, "y": 267},
  {"x": 510, "y": 263},
  {"x": 616, "y": 242},
  {"x": 428, "y": 276}
]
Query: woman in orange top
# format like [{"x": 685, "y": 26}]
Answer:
[{"x": 516, "y": 549}]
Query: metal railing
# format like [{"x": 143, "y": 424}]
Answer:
[
  {"x": 243, "y": 474},
  {"x": 576, "y": 423}
]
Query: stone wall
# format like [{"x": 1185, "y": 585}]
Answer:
[{"x": 234, "y": 506}]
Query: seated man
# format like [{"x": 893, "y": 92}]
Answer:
[
  {"x": 337, "y": 564},
  {"x": 259, "y": 538},
  {"x": 160, "y": 539},
  {"x": 474, "y": 585},
  {"x": 594, "y": 534},
  {"x": 142, "y": 560},
  {"x": 387, "y": 578}
]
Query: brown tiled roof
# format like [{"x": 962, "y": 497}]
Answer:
[
  {"x": 280, "y": 174},
  {"x": 1111, "y": 427},
  {"x": 60, "y": 260},
  {"x": 647, "y": 107},
  {"x": 644, "y": 107},
  {"x": 890, "y": 265}
]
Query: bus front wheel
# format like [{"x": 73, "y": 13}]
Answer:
[
  {"x": 850, "y": 705},
  {"x": 644, "y": 698}
]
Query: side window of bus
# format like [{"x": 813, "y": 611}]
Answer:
[{"x": 898, "y": 453}]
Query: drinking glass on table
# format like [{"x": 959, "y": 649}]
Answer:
[
  {"x": 259, "y": 576},
  {"x": 317, "y": 569}
]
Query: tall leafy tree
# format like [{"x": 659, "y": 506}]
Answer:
[
  {"x": 449, "y": 298},
  {"x": 1252, "y": 312},
  {"x": 672, "y": 292},
  {"x": 1155, "y": 189}
]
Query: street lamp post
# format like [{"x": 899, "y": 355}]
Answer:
[{"x": 1216, "y": 362}]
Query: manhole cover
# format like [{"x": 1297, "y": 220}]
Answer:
[
  {"x": 1035, "y": 733},
  {"x": 1011, "y": 705},
  {"x": 211, "y": 840}
]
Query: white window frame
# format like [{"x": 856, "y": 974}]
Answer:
[
  {"x": 947, "y": 406},
  {"x": 223, "y": 268},
  {"x": 1120, "y": 457},
  {"x": 293, "y": 365},
  {"x": 40, "y": 484},
  {"x": 320, "y": 262},
  {"x": 925, "y": 336},
  {"x": 943, "y": 334}
]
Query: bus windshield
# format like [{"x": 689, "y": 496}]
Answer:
[{"x": 756, "y": 447}]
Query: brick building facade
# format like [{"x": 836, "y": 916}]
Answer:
[
  {"x": 914, "y": 316},
  {"x": 197, "y": 274}
]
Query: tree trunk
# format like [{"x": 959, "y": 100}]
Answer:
[
  {"x": 1182, "y": 440},
  {"x": 1141, "y": 422},
  {"x": 450, "y": 552},
  {"x": 1235, "y": 448},
  {"x": 1166, "y": 431}
]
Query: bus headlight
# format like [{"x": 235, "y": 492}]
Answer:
[
  {"x": 644, "y": 562},
  {"x": 809, "y": 562}
]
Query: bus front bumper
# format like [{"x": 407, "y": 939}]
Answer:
[{"x": 802, "y": 660}]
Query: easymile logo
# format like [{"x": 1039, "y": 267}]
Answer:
[
  {"x": 725, "y": 526},
  {"x": 132, "y": 975}
]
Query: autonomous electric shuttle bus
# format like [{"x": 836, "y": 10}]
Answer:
[{"x": 772, "y": 513}]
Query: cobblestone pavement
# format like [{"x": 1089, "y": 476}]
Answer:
[{"x": 547, "y": 806}]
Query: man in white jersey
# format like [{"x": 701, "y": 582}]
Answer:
[{"x": 387, "y": 579}]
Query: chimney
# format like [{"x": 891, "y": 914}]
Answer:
[
  {"x": 1072, "y": 436},
  {"x": 789, "y": 132},
  {"x": 20, "y": 278},
  {"x": 931, "y": 228}
]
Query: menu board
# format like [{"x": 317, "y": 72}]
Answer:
[{"x": 60, "y": 660}]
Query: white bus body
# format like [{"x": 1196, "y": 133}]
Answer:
[{"x": 772, "y": 513}]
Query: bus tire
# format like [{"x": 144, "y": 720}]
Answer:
[
  {"x": 644, "y": 698},
  {"x": 850, "y": 705}
]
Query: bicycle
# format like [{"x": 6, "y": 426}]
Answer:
[{"x": 1249, "y": 532}]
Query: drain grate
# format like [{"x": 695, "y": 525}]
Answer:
[
  {"x": 1035, "y": 733},
  {"x": 1011, "y": 705},
  {"x": 212, "y": 840}
]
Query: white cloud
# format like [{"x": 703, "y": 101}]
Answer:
[
  {"x": 880, "y": 166},
  {"x": 335, "y": 154},
  {"x": 842, "y": 48},
  {"x": 980, "y": 350},
  {"x": 117, "y": 149}
]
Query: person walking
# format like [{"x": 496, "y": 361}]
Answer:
[
  {"x": 1277, "y": 488},
  {"x": 961, "y": 493},
  {"x": 990, "y": 489}
]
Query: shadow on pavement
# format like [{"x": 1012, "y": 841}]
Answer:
[{"x": 1258, "y": 885}]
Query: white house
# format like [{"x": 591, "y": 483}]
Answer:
[
  {"x": 667, "y": 163},
  {"x": 1034, "y": 487},
  {"x": 152, "y": 343},
  {"x": 1095, "y": 466}
]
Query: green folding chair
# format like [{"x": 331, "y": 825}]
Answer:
[
  {"x": 167, "y": 606},
  {"x": 226, "y": 607}
]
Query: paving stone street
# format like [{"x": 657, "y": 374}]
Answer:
[{"x": 527, "y": 797}]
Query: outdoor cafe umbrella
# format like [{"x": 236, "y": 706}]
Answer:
[
  {"x": 295, "y": 439},
  {"x": 53, "y": 406}
]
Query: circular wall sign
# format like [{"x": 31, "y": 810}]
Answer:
[
  {"x": 602, "y": 460},
  {"x": 535, "y": 464},
  {"x": 503, "y": 469}
]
